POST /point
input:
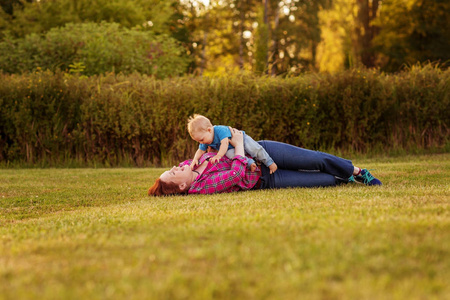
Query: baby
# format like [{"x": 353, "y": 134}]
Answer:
[{"x": 202, "y": 131}]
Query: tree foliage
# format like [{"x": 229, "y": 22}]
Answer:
[
  {"x": 262, "y": 43},
  {"x": 413, "y": 31},
  {"x": 94, "y": 48},
  {"x": 41, "y": 16},
  {"x": 229, "y": 35}
]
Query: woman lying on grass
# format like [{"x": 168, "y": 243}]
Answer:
[{"x": 297, "y": 167}]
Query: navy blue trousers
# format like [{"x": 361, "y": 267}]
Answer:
[{"x": 298, "y": 167}]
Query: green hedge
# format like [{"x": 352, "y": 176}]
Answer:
[{"x": 58, "y": 119}]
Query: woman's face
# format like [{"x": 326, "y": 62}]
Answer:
[{"x": 182, "y": 176}]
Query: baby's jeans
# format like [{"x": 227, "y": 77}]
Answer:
[{"x": 255, "y": 150}]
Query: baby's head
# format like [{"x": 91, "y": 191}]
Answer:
[{"x": 200, "y": 129}]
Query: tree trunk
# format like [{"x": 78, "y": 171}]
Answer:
[
  {"x": 275, "y": 54},
  {"x": 205, "y": 39},
  {"x": 266, "y": 22},
  {"x": 313, "y": 54},
  {"x": 242, "y": 40},
  {"x": 366, "y": 33}
]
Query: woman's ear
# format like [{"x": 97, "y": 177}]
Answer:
[{"x": 182, "y": 186}]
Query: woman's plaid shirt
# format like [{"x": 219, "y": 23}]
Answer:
[{"x": 228, "y": 175}]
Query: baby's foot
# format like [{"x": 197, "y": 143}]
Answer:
[
  {"x": 273, "y": 167},
  {"x": 253, "y": 167}
]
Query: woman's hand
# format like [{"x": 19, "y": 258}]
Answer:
[
  {"x": 237, "y": 137},
  {"x": 237, "y": 140}
]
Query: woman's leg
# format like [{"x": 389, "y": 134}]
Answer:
[
  {"x": 289, "y": 157},
  {"x": 289, "y": 178}
]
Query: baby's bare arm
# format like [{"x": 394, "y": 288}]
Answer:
[
  {"x": 198, "y": 154},
  {"x": 223, "y": 147},
  {"x": 222, "y": 150}
]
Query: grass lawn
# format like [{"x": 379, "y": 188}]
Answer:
[{"x": 95, "y": 234}]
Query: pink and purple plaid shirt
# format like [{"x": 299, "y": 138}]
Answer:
[{"x": 223, "y": 177}]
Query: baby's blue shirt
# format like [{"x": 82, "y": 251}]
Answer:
[{"x": 220, "y": 132}]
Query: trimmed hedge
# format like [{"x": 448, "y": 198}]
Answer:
[{"x": 58, "y": 119}]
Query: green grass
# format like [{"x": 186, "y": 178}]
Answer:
[{"x": 94, "y": 234}]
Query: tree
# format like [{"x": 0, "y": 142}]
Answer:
[
  {"x": 335, "y": 50},
  {"x": 262, "y": 41},
  {"x": 91, "y": 48},
  {"x": 238, "y": 36},
  {"x": 40, "y": 16},
  {"x": 4, "y": 22},
  {"x": 198, "y": 21},
  {"x": 412, "y": 31},
  {"x": 243, "y": 19},
  {"x": 366, "y": 30},
  {"x": 296, "y": 32},
  {"x": 348, "y": 31},
  {"x": 218, "y": 35},
  {"x": 8, "y": 5}
]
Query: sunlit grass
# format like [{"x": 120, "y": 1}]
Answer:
[{"x": 94, "y": 234}]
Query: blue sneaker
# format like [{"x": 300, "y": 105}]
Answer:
[
  {"x": 367, "y": 178},
  {"x": 351, "y": 179}
]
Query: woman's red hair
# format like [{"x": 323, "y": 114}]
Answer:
[{"x": 161, "y": 188}]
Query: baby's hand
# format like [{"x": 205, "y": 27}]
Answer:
[
  {"x": 194, "y": 163},
  {"x": 215, "y": 159},
  {"x": 273, "y": 167}
]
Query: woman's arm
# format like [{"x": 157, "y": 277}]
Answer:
[{"x": 237, "y": 140}]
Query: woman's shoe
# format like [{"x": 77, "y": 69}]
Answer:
[
  {"x": 367, "y": 178},
  {"x": 351, "y": 179}
]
